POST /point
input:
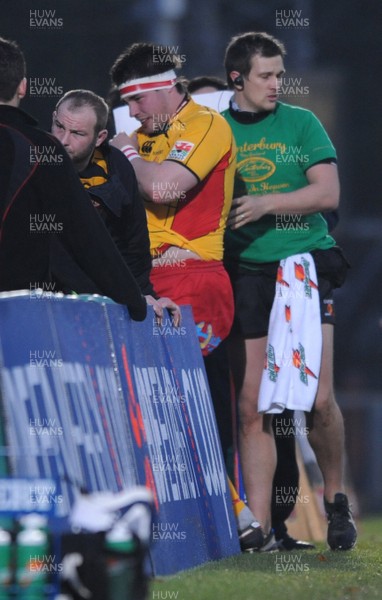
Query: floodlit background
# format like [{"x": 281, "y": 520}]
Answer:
[{"x": 333, "y": 67}]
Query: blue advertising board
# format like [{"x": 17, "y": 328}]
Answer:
[{"x": 94, "y": 401}]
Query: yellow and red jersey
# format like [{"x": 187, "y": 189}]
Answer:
[{"x": 201, "y": 140}]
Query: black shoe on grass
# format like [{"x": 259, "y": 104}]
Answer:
[
  {"x": 289, "y": 543},
  {"x": 251, "y": 538},
  {"x": 342, "y": 532}
]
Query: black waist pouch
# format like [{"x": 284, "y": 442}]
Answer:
[{"x": 332, "y": 265}]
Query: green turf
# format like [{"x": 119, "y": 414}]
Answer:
[{"x": 311, "y": 575}]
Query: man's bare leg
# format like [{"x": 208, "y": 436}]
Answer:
[
  {"x": 327, "y": 440},
  {"x": 326, "y": 425},
  {"x": 256, "y": 442}
]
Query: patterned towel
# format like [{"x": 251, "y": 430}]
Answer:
[{"x": 293, "y": 356}]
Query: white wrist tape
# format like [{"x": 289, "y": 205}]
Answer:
[{"x": 130, "y": 152}]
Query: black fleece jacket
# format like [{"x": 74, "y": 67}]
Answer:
[
  {"x": 40, "y": 197},
  {"x": 121, "y": 208}
]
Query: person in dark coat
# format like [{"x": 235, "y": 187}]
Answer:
[{"x": 41, "y": 197}]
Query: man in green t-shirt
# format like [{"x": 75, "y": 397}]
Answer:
[{"x": 286, "y": 178}]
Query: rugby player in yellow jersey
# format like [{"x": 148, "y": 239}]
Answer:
[{"x": 183, "y": 155}]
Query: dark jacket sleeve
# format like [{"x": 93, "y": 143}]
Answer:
[
  {"x": 133, "y": 242},
  {"x": 85, "y": 236}
]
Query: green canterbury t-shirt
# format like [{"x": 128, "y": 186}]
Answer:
[{"x": 273, "y": 155}]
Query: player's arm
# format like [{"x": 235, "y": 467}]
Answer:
[
  {"x": 132, "y": 237},
  {"x": 151, "y": 177},
  {"x": 177, "y": 177},
  {"x": 319, "y": 195}
]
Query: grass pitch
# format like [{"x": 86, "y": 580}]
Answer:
[{"x": 318, "y": 574}]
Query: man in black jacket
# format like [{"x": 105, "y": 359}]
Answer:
[
  {"x": 41, "y": 197},
  {"x": 79, "y": 122}
]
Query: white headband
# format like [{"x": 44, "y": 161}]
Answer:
[{"x": 161, "y": 81}]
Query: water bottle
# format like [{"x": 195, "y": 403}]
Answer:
[
  {"x": 33, "y": 521},
  {"x": 120, "y": 549},
  {"x": 5, "y": 564},
  {"x": 31, "y": 558}
]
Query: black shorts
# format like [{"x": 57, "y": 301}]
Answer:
[{"x": 254, "y": 291}]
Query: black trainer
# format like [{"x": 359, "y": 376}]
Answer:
[
  {"x": 251, "y": 538},
  {"x": 287, "y": 542},
  {"x": 342, "y": 532}
]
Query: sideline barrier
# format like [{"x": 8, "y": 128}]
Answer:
[{"x": 96, "y": 401}]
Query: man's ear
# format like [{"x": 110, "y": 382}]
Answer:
[
  {"x": 101, "y": 137},
  {"x": 22, "y": 88},
  {"x": 237, "y": 80}
]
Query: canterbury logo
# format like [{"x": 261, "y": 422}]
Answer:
[{"x": 147, "y": 147}]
